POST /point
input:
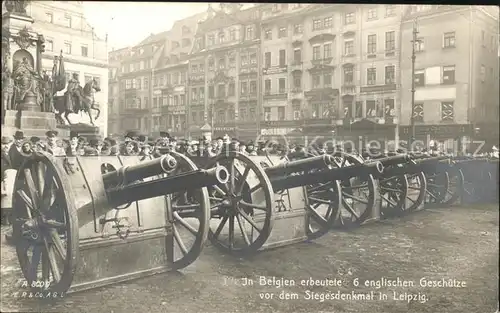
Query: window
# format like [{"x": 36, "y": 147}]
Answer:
[
  {"x": 282, "y": 58},
  {"x": 221, "y": 90},
  {"x": 211, "y": 92},
  {"x": 390, "y": 10},
  {"x": 358, "y": 113},
  {"x": 267, "y": 86},
  {"x": 183, "y": 78},
  {"x": 389, "y": 108},
  {"x": 210, "y": 40},
  {"x": 49, "y": 17},
  {"x": 138, "y": 83},
  {"x": 221, "y": 116},
  {"x": 419, "y": 78},
  {"x": 176, "y": 100},
  {"x": 328, "y": 22},
  {"x": 327, "y": 80},
  {"x": 327, "y": 50},
  {"x": 202, "y": 92},
  {"x": 350, "y": 18},
  {"x": 194, "y": 94},
  {"x": 252, "y": 114},
  {"x": 49, "y": 45},
  {"x": 146, "y": 83},
  {"x": 418, "y": 112},
  {"x": 183, "y": 99},
  {"x": 232, "y": 35},
  {"x": 447, "y": 111},
  {"x": 348, "y": 75},
  {"x": 297, "y": 29},
  {"x": 297, "y": 56},
  {"x": 193, "y": 116},
  {"x": 449, "y": 75},
  {"x": 372, "y": 14},
  {"x": 222, "y": 37},
  {"x": 222, "y": 63},
  {"x": 67, "y": 48},
  {"x": 371, "y": 76},
  {"x": 268, "y": 34},
  {"x": 390, "y": 41},
  {"x": 282, "y": 85},
  {"x": 67, "y": 20},
  {"x": 370, "y": 108},
  {"x": 267, "y": 114},
  {"x": 482, "y": 73},
  {"x": 141, "y": 65},
  {"x": 316, "y": 53},
  {"x": 253, "y": 87},
  {"x": 390, "y": 72},
  {"x": 244, "y": 88},
  {"x": 253, "y": 58},
  {"x": 282, "y": 32},
  {"x": 316, "y": 81},
  {"x": 317, "y": 24},
  {"x": 267, "y": 60},
  {"x": 211, "y": 65},
  {"x": 449, "y": 40},
  {"x": 297, "y": 82},
  {"x": 281, "y": 113},
  {"x": 243, "y": 115},
  {"x": 296, "y": 112},
  {"x": 349, "y": 47},
  {"x": 232, "y": 89},
  {"x": 250, "y": 35},
  {"x": 372, "y": 44},
  {"x": 244, "y": 60}
]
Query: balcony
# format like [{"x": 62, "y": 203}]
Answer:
[
  {"x": 268, "y": 95},
  {"x": 275, "y": 70},
  {"x": 326, "y": 36},
  {"x": 248, "y": 70},
  {"x": 321, "y": 93},
  {"x": 378, "y": 88},
  {"x": 348, "y": 89},
  {"x": 296, "y": 66},
  {"x": 248, "y": 96},
  {"x": 319, "y": 65},
  {"x": 134, "y": 110}
]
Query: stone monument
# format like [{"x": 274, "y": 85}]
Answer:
[{"x": 22, "y": 80}]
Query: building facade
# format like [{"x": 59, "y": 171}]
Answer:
[
  {"x": 66, "y": 30},
  {"x": 456, "y": 69},
  {"x": 224, "y": 73}
]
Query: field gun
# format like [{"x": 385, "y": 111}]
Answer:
[{"x": 87, "y": 221}]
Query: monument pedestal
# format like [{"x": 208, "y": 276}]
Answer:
[
  {"x": 31, "y": 123},
  {"x": 84, "y": 130}
]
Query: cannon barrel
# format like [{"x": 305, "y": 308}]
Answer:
[
  {"x": 167, "y": 185},
  {"x": 428, "y": 160},
  {"x": 317, "y": 162},
  {"x": 392, "y": 160},
  {"x": 127, "y": 174},
  {"x": 418, "y": 165},
  {"x": 326, "y": 175}
]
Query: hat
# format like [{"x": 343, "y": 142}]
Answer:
[
  {"x": 250, "y": 143},
  {"x": 164, "y": 134},
  {"x": 73, "y": 134},
  {"x": 51, "y": 133},
  {"x": 35, "y": 139},
  {"x": 219, "y": 138},
  {"x": 6, "y": 140},
  {"x": 141, "y": 138},
  {"x": 81, "y": 139},
  {"x": 19, "y": 135},
  {"x": 93, "y": 142},
  {"x": 131, "y": 135}
]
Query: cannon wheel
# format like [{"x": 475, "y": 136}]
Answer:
[
  {"x": 358, "y": 194},
  {"x": 190, "y": 215},
  {"x": 456, "y": 187},
  {"x": 417, "y": 186},
  {"x": 323, "y": 201},
  {"x": 234, "y": 203},
  {"x": 45, "y": 227},
  {"x": 438, "y": 184},
  {"x": 393, "y": 193}
]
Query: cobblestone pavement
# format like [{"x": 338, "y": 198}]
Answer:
[{"x": 453, "y": 243}]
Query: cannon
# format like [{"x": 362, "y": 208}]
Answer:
[
  {"x": 84, "y": 222},
  {"x": 276, "y": 202}
]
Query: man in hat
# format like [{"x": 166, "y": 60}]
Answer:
[
  {"x": 15, "y": 156},
  {"x": 37, "y": 144},
  {"x": 93, "y": 148},
  {"x": 251, "y": 148},
  {"x": 52, "y": 146},
  {"x": 130, "y": 136}
]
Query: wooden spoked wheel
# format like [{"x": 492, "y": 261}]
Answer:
[
  {"x": 322, "y": 207},
  {"x": 242, "y": 209},
  {"x": 358, "y": 194},
  {"x": 393, "y": 193},
  {"x": 45, "y": 226},
  {"x": 189, "y": 214},
  {"x": 437, "y": 186},
  {"x": 455, "y": 189},
  {"x": 417, "y": 186}
]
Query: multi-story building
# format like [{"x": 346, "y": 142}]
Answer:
[
  {"x": 326, "y": 66},
  {"x": 66, "y": 30},
  {"x": 114, "y": 117},
  {"x": 223, "y": 73},
  {"x": 169, "y": 105},
  {"x": 456, "y": 69}
]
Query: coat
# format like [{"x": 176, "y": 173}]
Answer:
[{"x": 16, "y": 158}]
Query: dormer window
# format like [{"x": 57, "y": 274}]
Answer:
[
  {"x": 210, "y": 40},
  {"x": 221, "y": 37}
]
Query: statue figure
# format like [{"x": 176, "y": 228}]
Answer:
[
  {"x": 46, "y": 92},
  {"x": 7, "y": 84},
  {"x": 24, "y": 80},
  {"x": 73, "y": 94},
  {"x": 17, "y": 6}
]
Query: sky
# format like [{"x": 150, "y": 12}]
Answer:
[{"x": 128, "y": 23}]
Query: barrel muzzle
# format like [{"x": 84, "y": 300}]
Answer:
[
  {"x": 221, "y": 174},
  {"x": 168, "y": 163},
  {"x": 379, "y": 167}
]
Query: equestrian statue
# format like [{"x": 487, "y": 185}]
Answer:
[{"x": 76, "y": 98}]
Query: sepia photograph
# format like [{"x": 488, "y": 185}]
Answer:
[{"x": 203, "y": 157}]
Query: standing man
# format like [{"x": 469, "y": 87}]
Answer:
[
  {"x": 52, "y": 146},
  {"x": 15, "y": 155},
  {"x": 73, "y": 99}
]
